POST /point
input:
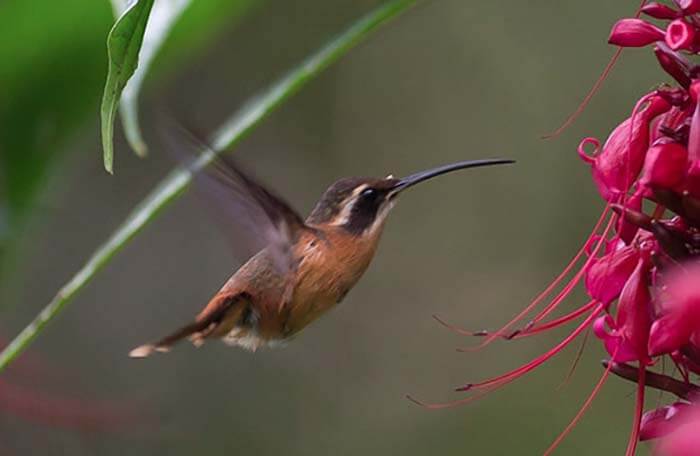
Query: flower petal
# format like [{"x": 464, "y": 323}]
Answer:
[
  {"x": 680, "y": 35},
  {"x": 634, "y": 33}
]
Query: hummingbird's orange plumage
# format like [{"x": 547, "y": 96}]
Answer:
[
  {"x": 327, "y": 269},
  {"x": 304, "y": 267}
]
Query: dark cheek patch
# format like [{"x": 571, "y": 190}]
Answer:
[{"x": 362, "y": 216}]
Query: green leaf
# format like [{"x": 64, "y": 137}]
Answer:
[
  {"x": 163, "y": 16},
  {"x": 38, "y": 120},
  {"x": 123, "y": 46},
  {"x": 41, "y": 53},
  {"x": 230, "y": 134}
]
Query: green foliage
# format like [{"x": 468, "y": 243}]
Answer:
[
  {"x": 232, "y": 131},
  {"x": 49, "y": 83},
  {"x": 53, "y": 81},
  {"x": 163, "y": 16},
  {"x": 123, "y": 47},
  {"x": 134, "y": 42}
]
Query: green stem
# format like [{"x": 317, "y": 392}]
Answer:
[{"x": 232, "y": 131}]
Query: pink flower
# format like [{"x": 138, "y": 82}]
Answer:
[
  {"x": 634, "y": 312},
  {"x": 692, "y": 179},
  {"x": 680, "y": 35},
  {"x": 673, "y": 63},
  {"x": 694, "y": 133},
  {"x": 689, "y": 6},
  {"x": 659, "y": 11},
  {"x": 684, "y": 439},
  {"x": 617, "y": 165},
  {"x": 665, "y": 165},
  {"x": 678, "y": 311},
  {"x": 641, "y": 263},
  {"x": 630, "y": 330},
  {"x": 660, "y": 422},
  {"x": 634, "y": 33},
  {"x": 607, "y": 276}
]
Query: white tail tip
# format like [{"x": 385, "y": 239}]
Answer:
[{"x": 142, "y": 352}]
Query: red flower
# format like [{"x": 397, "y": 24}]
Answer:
[
  {"x": 684, "y": 438},
  {"x": 659, "y": 11},
  {"x": 674, "y": 64},
  {"x": 694, "y": 133},
  {"x": 680, "y": 35},
  {"x": 659, "y": 422},
  {"x": 689, "y": 6},
  {"x": 629, "y": 343},
  {"x": 665, "y": 165},
  {"x": 641, "y": 269},
  {"x": 608, "y": 275},
  {"x": 634, "y": 33},
  {"x": 617, "y": 165},
  {"x": 678, "y": 323}
]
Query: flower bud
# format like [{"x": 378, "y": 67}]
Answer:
[
  {"x": 673, "y": 64},
  {"x": 692, "y": 179},
  {"x": 665, "y": 165},
  {"x": 617, "y": 165},
  {"x": 657, "y": 423},
  {"x": 694, "y": 133},
  {"x": 680, "y": 35},
  {"x": 659, "y": 11},
  {"x": 634, "y": 33},
  {"x": 679, "y": 309},
  {"x": 684, "y": 438},
  {"x": 607, "y": 276},
  {"x": 689, "y": 6},
  {"x": 634, "y": 312}
]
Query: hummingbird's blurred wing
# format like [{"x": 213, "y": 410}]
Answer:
[
  {"x": 256, "y": 217},
  {"x": 268, "y": 219}
]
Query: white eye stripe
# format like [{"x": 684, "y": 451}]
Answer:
[
  {"x": 358, "y": 190},
  {"x": 348, "y": 204}
]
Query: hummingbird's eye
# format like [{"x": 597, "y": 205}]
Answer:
[{"x": 368, "y": 193}]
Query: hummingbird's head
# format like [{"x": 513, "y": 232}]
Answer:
[{"x": 361, "y": 204}]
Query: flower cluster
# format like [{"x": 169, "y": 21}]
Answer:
[{"x": 641, "y": 264}]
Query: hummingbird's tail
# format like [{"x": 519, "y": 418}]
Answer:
[
  {"x": 215, "y": 320},
  {"x": 164, "y": 344}
]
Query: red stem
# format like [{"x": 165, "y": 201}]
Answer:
[{"x": 634, "y": 435}]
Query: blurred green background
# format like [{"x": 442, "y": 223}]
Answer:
[{"x": 449, "y": 80}]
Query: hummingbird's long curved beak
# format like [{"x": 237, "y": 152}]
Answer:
[{"x": 421, "y": 176}]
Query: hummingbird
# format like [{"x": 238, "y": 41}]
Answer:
[{"x": 303, "y": 267}]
